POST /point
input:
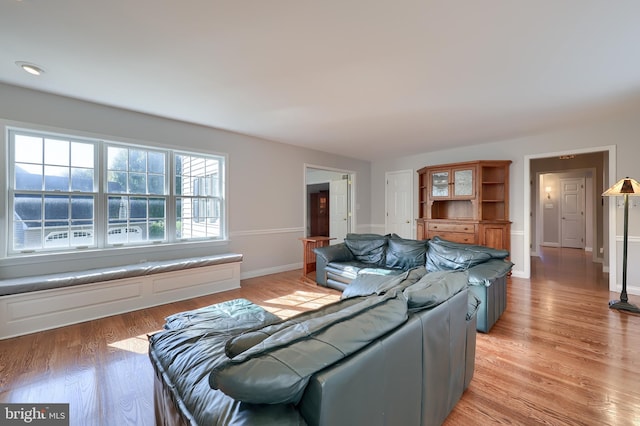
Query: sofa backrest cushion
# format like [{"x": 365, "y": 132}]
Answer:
[
  {"x": 368, "y": 248},
  {"x": 434, "y": 288},
  {"x": 447, "y": 255},
  {"x": 405, "y": 254},
  {"x": 277, "y": 370}
]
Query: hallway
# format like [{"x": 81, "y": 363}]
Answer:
[{"x": 568, "y": 267}]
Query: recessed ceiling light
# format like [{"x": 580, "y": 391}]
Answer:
[{"x": 32, "y": 69}]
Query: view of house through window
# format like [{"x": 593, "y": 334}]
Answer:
[
  {"x": 54, "y": 196},
  {"x": 199, "y": 189},
  {"x": 148, "y": 195},
  {"x": 137, "y": 203}
]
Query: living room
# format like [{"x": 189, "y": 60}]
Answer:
[{"x": 266, "y": 195}]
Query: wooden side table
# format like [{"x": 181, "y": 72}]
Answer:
[{"x": 309, "y": 257}]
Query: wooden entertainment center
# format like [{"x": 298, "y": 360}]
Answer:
[{"x": 466, "y": 203}]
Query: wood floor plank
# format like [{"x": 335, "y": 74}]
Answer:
[{"x": 558, "y": 355}]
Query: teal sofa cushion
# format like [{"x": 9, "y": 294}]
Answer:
[
  {"x": 405, "y": 254},
  {"x": 434, "y": 288},
  {"x": 368, "y": 248}
]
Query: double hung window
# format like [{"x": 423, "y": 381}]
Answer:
[
  {"x": 198, "y": 188},
  {"x": 71, "y": 193},
  {"x": 136, "y": 195},
  {"x": 53, "y": 192}
]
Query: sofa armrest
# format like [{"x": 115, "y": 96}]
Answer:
[
  {"x": 334, "y": 253},
  {"x": 487, "y": 272},
  {"x": 488, "y": 282},
  {"x": 443, "y": 255}
]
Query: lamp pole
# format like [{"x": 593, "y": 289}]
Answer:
[
  {"x": 624, "y": 304},
  {"x": 625, "y": 242}
]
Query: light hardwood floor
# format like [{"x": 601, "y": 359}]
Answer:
[{"x": 557, "y": 356}]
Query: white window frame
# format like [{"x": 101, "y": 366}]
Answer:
[
  {"x": 130, "y": 224},
  {"x": 101, "y": 195},
  {"x": 198, "y": 196}
]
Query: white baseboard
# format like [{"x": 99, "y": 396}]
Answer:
[
  {"x": 46, "y": 309},
  {"x": 547, "y": 244},
  {"x": 518, "y": 274},
  {"x": 633, "y": 290},
  {"x": 269, "y": 271}
]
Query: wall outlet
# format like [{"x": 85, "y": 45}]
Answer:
[{"x": 633, "y": 202}]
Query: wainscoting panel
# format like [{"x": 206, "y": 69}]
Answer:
[
  {"x": 42, "y": 310},
  {"x": 190, "y": 283}
]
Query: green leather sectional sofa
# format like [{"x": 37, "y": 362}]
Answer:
[
  {"x": 395, "y": 350},
  {"x": 338, "y": 265}
]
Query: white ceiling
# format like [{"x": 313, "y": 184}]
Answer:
[{"x": 362, "y": 78}]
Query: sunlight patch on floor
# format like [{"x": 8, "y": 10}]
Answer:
[{"x": 138, "y": 344}]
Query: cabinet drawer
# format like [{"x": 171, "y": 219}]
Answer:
[
  {"x": 452, "y": 227},
  {"x": 456, "y": 237}
]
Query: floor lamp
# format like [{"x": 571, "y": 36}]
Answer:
[{"x": 625, "y": 187}]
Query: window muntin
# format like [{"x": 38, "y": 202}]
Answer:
[
  {"x": 58, "y": 205},
  {"x": 52, "y": 192},
  {"x": 140, "y": 214},
  {"x": 135, "y": 170},
  {"x": 136, "y": 219},
  {"x": 53, "y": 164}
]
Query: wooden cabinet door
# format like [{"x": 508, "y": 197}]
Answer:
[
  {"x": 452, "y": 183},
  {"x": 495, "y": 235},
  {"x": 440, "y": 183},
  {"x": 421, "y": 233},
  {"x": 464, "y": 182}
]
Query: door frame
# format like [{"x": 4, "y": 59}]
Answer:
[
  {"x": 610, "y": 213},
  {"x": 589, "y": 174},
  {"x": 582, "y": 207},
  {"x": 352, "y": 194}
]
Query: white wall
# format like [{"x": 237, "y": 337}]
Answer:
[
  {"x": 266, "y": 192},
  {"x": 621, "y": 129}
]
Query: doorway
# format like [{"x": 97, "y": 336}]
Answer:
[
  {"x": 318, "y": 209},
  {"x": 572, "y": 213},
  {"x": 602, "y": 159},
  {"x": 399, "y": 203},
  {"x": 565, "y": 211},
  {"x": 329, "y": 197}
]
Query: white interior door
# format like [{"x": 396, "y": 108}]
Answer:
[
  {"x": 572, "y": 213},
  {"x": 338, "y": 209},
  {"x": 399, "y": 203}
]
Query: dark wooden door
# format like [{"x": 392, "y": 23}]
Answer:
[{"x": 320, "y": 214}]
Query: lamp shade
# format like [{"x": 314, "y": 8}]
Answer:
[{"x": 626, "y": 186}]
